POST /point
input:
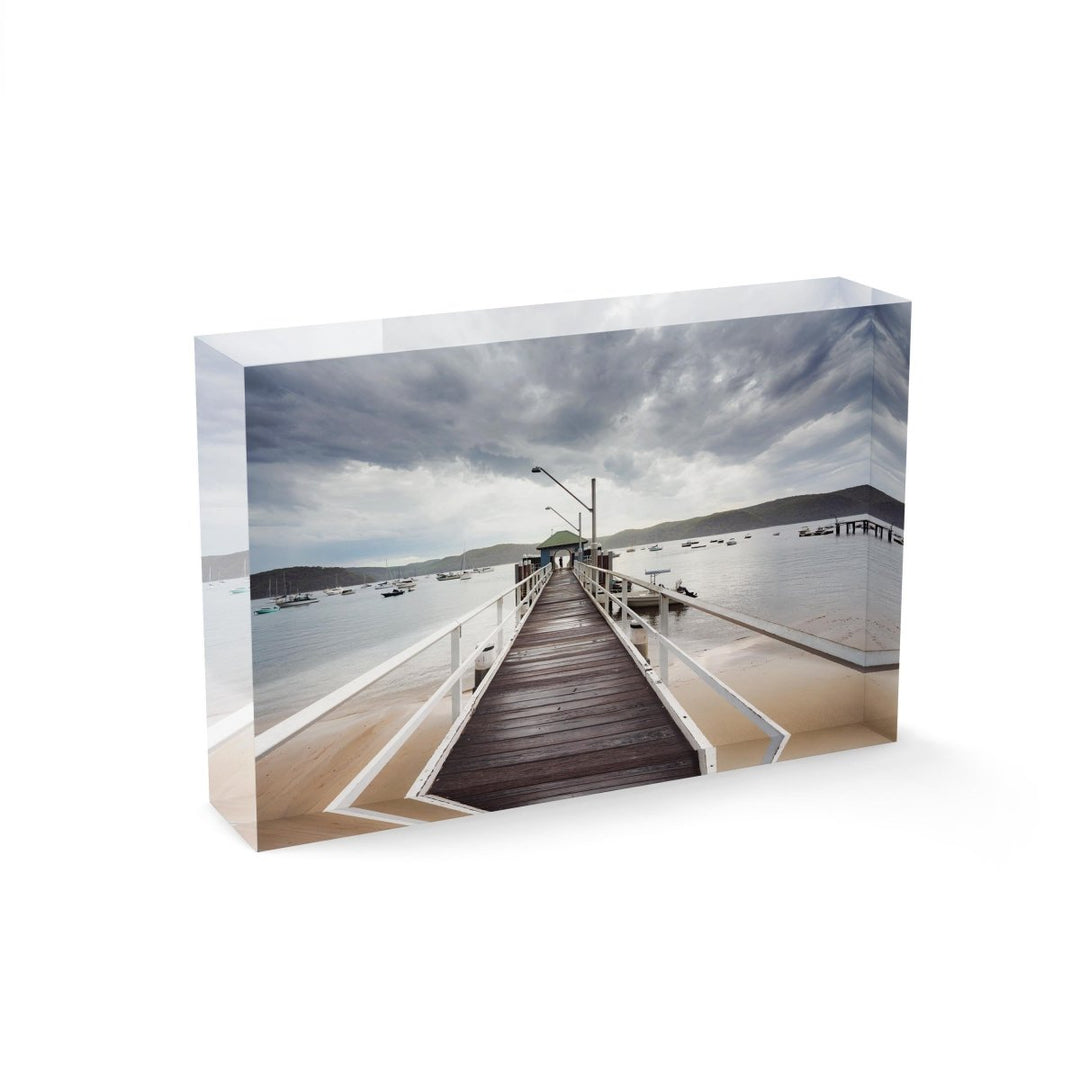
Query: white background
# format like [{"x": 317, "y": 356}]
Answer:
[{"x": 182, "y": 169}]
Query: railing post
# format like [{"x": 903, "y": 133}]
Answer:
[
  {"x": 455, "y": 663},
  {"x": 663, "y": 653},
  {"x": 499, "y": 623}
]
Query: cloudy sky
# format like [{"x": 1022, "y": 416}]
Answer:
[{"x": 421, "y": 454}]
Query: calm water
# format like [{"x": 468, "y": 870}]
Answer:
[{"x": 822, "y": 584}]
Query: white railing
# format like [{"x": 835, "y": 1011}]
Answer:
[
  {"x": 526, "y": 590},
  {"x": 596, "y": 583}
]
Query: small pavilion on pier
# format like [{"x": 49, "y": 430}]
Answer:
[{"x": 563, "y": 542}]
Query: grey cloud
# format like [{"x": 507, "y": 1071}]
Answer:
[{"x": 729, "y": 390}]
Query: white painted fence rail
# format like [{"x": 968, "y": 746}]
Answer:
[
  {"x": 530, "y": 588},
  {"x": 860, "y": 659},
  {"x": 596, "y": 583}
]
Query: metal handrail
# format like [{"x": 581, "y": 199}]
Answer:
[
  {"x": 287, "y": 728},
  {"x": 777, "y": 735}
]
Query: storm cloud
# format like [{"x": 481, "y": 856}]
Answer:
[{"x": 419, "y": 454}]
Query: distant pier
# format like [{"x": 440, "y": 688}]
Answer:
[{"x": 866, "y": 526}]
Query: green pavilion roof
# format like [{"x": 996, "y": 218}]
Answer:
[{"x": 565, "y": 538}]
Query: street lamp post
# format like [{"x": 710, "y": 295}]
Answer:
[
  {"x": 591, "y": 509},
  {"x": 570, "y": 523}
]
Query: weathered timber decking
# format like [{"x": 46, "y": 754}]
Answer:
[{"x": 568, "y": 713}]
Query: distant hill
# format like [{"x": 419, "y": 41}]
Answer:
[
  {"x": 304, "y": 579},
  {"x": 225, "y": 567},
  {"x": 309, "y": 578},
  {"x": 848, "y": 502},
  {"x": 794, "y": 509}
]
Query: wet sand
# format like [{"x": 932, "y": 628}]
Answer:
[{"x": 824, "y": 705}]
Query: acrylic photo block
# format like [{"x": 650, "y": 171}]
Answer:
[{"x": 462, "y": 563}]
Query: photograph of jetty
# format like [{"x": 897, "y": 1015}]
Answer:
[{"x": 487, "y": 576}]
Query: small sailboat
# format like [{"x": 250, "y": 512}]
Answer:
[{"x": 656, "y": 547}]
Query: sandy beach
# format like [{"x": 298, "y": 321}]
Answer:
[
  {"x": 824, "y": 705},
  {"x": 298, "y": 779}
]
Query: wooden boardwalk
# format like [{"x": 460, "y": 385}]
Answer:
[{"x": 568, "y": 713}]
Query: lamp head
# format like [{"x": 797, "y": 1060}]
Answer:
[{"x": 536, "y": 468}]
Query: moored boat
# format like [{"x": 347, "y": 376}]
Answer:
[{"x": 295, "y": 600}]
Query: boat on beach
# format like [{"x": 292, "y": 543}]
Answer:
[
  {"x": 656, "y": 547},
  {"x": 731, "y": 543}
]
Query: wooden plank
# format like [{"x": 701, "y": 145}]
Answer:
[
  {"x": 566, "y": 727},
  {"x": 568, "y": 713},
  {"x": 549, "y": 792},
  {"x": 557, "y": 745},
  {"x": 627, "y": 705}
]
